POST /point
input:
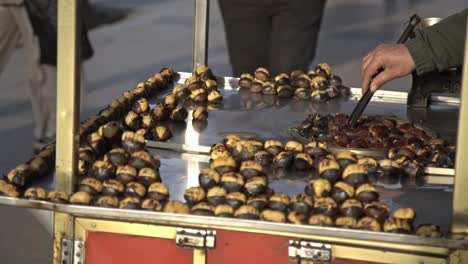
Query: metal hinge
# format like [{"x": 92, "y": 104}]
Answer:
[
  {"x": 195, "y": 238},
  {"x": 72, "y": 252},
  {"x": 309, "y": 252}
]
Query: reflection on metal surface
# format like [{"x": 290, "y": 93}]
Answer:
[
  {"x": 191, "y": 139},
  {"x": 460, "y": 204}
]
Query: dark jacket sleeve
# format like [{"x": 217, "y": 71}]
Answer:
[{"x": 441, "y": 46}]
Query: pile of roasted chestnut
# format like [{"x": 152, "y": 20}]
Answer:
[
  {"x": 403, "y": 140},
  {"x": 341, "y": 193},
  {"x": 319, "y": 84}
]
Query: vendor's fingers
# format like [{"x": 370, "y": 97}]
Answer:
[
  {"x": 381, "y": 79},
  {"x": 369, "y": 71}
]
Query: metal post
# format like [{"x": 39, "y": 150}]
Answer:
[
  {"x": 200, "y": 33},
  {"x": 68, "y": 98},
  {"x": 460, "y": 204}
]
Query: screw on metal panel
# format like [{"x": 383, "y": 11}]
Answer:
[
  {"x": 78, "y": 254},
  {"x": 64, "y": 243},
  {"x": 64, "y": 262},
  {"x": 93, "y": 225},
  {"x": 65, "y": 253},
  {"x": 80, "y": 245}
]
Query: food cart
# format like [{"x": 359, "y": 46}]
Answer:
[{"x": 86, "y": 234}]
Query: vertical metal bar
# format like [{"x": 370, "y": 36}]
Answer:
[
  {"x": 68, "y": 94},
  {"x": 460, "y": 204},
  {"x": 68, "y": 98},
  {"x": 200, "y": 33},
  {"x": 199, "y": 256}
]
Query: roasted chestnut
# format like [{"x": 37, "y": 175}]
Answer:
[
  {"x": 132, "y": 121},
  {"x": 151, "y": 205},
  {"x": 85, "y": 153},
  {"x": 332, "y": 91},
  {"x": 369, "y": 224},
  {"x": 35, "y": 193},
  {"x": 302, "y": 93},
  {"x": 147, "y": 176},
  {"x": 199, "y": 95},
  {"x": 168, "y": 74},
  {"x": 110, "y": 131},
  {"x": 323, "y": 69},
  {"x": 112, "y": 187},
  {"x": 158, "y": 191},
  {"x": 145, "y": 133},
  {"x": 303, "y": 161},
  {"x": 224, "y": 165},
  {"x": 377, "y": 210},
  {"x": 319, "y": 96},
  {"x": 282, "y": 79},
  {"x": 257, "y": 86},
  {"x": 141, "y": 159},
  {"x": 273, "y": 216},
  {"x": 247, "y": 212},
  {"x": 80, "y": 198},
  {"x": 318, "y": 188},
  {"x": 107, "y": 201},
  {"x": 342, "y": 191},
  {"x": 132, "y": 142},
  {"x": 256, "y": 185},
  {"x": 83, "y": 167},
  {"x": 135, "y": 189},
  {"x": 160, "y": 113},
  {"x": 329, "y": 169},
  {"x": 316, "y": 149},
  {"x": 180, "y": 92},
  {"x": 200, "y": 113},
  {"x": 320, "y": 220},
  {"x": 345, "y": 158},
  {"x": 284, "y": 91},
  {"x": 268, "y": 88},
  {"x": 179, "y": 114},
  {"x": 193, "y": 82},
  {"x": 351, "y": 207},
  {"x": 219, "y": 150},
  {"x": 262, "y": 74},
  {"x": 161, "y": 133},
  {"x": 102, "y": 170},
  {"x": 428, "y": 230},
  {"x": 176, "y": 207},
  {"x": 413, "y": 169},
  {"x": 279, "y": 202},
  {"x": 199, "y": 125},
  {"x": 283, "y": 160},
  {"x": 250, "y": 169},
  {"x": 302, "y": 203},
  {"x": 274, "y": 147},
  {"x": 117, "y": 157},
  {"x": 369, "y": 163},
  {"x": 244, "y": 150},
  {"x": 296, "y": 218},
  {"x": 169, "y": 102},
  {"x": 294, "y": 147},
  {"x": 355, "y": 175},
  {"x": 224, "y": 210},
  {"x": 259, "y": 202},
  {"x": 346, "y": 222},
  {"x": 126, "y": 174},
  {"x": 236, "y": 199},
  {"x": 208, "y": 178},
  {"x": 406, "y": 214},
  {"x": 263, "y": 158},
  {"x": 394, "y": 225},
  {"x": 194, "y": 195},
  {"x": 20, "y": 175},
  {"x": 245, "y": 80},
  {"x": 232, "y": 182},
  {"x": 390, "y": 167},
  {"x": 230, "y": 141},
  {"x": 203, "y": 208},
  {"x": 367, "y": 193},
  {"x": 90, "y": 185},
  {"x": 325, "y": 205},
  {"x": 141, "y": 106},
  {"x": 57, "y": 197},
  {"x": 130, "y": 203},
  {"x": 211, "y": 85},
  {"x": 335, "y": 80},
  {"x": 216, "y": 196}
]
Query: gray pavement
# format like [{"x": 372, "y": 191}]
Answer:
[{"x": 158, "y": 34}]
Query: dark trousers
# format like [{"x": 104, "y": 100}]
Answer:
[{"x": 280, "y": 35}]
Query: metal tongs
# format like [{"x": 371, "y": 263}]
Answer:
[{"x": 362, "y": 104}]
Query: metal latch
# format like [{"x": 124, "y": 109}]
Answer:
[
  {"x": 72, "y": 251},
  {"x": 195, "y": 238},
  {"x": 309, "y": 252}
]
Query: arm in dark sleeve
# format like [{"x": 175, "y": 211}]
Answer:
[{"x": 441, "y": 46}]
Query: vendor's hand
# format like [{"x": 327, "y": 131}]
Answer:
[{"x": 395, "y": 60}]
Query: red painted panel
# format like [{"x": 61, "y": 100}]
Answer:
[
  {"x": 110, "y": 248},
  {"x": 233, "y": 247}
]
